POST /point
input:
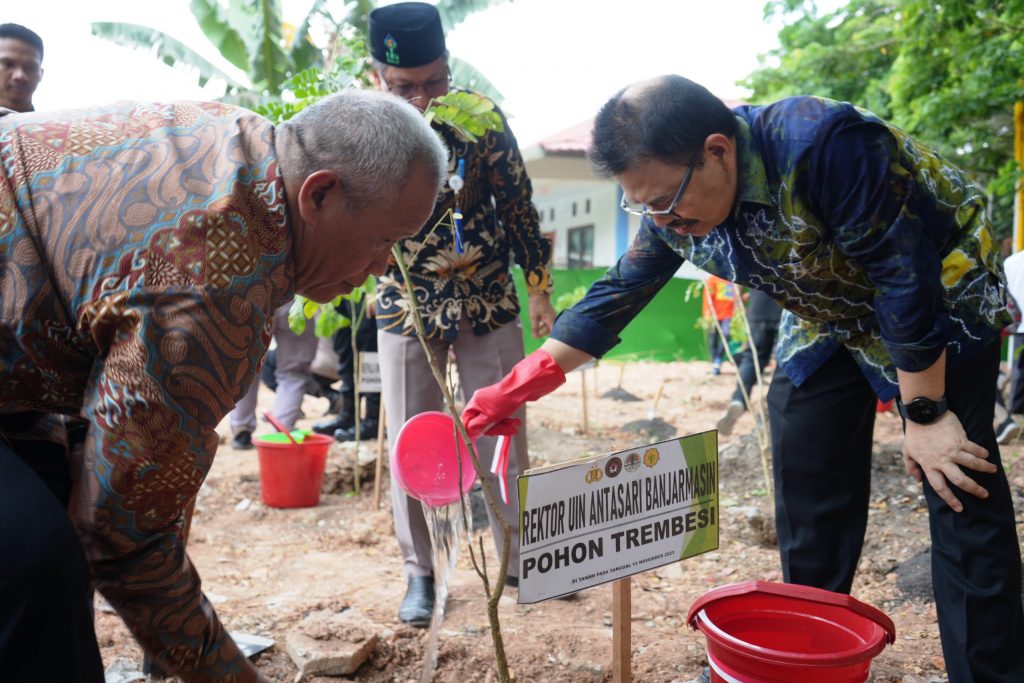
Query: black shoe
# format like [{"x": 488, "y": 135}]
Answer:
[
  {"x": 333, "y": 397},
  {"x": 242, "y": 441},
  {"x": 1007, "y": 431},
  {"x": 328, "y": 427},
  {"x": 367, "y": 430},
  {"x": 418, "y": 604}
]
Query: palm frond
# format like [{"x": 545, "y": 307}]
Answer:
[
  {"x": 454, "y": 12},
  {"x": 304, "y": 53},
  {"x": 169, "y": 50},
  {"x": 270, "y": 65},
  {"x": 213, "y": 20},
  {"x": 465, "y": 75}
]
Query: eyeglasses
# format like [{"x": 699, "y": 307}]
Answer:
[
  {"x": 435, "y": 87},
  {"x": 644, "y": 212}
]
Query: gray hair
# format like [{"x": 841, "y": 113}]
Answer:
[{"x": 372, "y": 140}]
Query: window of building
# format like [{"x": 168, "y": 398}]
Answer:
[
  {"x": 574, "y": 209},
  {"x": 551, "y": 215},
  {"x": 586, "y": 207},
  {"x": 581, "y": 247}
]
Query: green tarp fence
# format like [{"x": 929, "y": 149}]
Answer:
[{"x": 668, "y": 329}]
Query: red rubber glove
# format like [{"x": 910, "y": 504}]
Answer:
[{"x": 488, "y": 411}]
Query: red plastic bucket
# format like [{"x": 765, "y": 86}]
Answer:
[
  {"x": 762, "y": 632},
  {"x": 290, "y": 475}
]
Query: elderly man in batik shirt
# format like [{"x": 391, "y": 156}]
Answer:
[
  {"x": 881, "y": 254},
  {"x": 460, "y": 277},
  {"x": 143, "y": 251}
]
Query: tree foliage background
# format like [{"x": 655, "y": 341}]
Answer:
[
  {"x": 946, "y": 71},
  {"x": 253, "y": 36}
]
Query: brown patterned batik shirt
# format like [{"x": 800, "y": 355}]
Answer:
[{"x": 143, "y": 251}]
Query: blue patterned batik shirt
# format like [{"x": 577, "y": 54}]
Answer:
[{"x": 868, "y": 239}]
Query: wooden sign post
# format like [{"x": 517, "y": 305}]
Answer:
[{"x": 622, "y": 631}]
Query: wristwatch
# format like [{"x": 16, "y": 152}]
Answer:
[{"x": 923, "y": 410}]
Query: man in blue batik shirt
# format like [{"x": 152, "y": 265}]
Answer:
[{"x": 881, "y": 255}]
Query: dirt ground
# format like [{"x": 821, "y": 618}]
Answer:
[{"x": 266, "y": 569}]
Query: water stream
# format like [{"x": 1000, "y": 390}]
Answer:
[{"x": 447, "y": 525}]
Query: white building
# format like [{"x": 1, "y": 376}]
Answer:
[{"x": 579, "y": 213}]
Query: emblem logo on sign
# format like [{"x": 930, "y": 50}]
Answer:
[
  {"x": 651, "y": 457},
  {"x": 613, "y": 466},
  {"x": 594, "y": 475},
  {"x": 632, "y": 462}
]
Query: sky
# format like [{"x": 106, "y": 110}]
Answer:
[{"x": 555, "y": 61}]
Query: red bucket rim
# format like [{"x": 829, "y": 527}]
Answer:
[
  {"x": 796, "y": 592},
  {"x": 311, "y": 439}
]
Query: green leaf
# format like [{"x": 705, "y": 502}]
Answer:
[
  {"x": 330, "y": 321},
  {"x": 296, "y": 315},
  {"x": 309, "y": 308},
  {"x": 570, "y": 299},
  {"x": 458, "y": 111}
]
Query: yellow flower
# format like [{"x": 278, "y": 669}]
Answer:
[{"x": 955, "y": 266}]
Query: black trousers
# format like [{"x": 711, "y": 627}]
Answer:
[
  {"x": 821, "y": 450},
  {"x": 366, "y": 340},
  {"x": 46, "y": 626}
]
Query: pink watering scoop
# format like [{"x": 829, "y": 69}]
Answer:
[{"x": 425, "y": 462}]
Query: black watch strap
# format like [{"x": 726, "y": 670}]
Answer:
[{"x": 923, "y": 410}]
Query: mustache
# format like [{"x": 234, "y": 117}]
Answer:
[{"x": 683, "y": 223}]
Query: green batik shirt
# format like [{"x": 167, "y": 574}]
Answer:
[{"x": 869, "y": 240}]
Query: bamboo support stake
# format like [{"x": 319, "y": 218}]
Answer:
[
  {"x": 760, "y": 426},
  {"x": 357, "y": 377},
  {"x": 657, "y": 398},
  {"x": 379, "y": 471}
]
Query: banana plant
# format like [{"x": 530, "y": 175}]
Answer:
[{"x": 251, "y": 35}]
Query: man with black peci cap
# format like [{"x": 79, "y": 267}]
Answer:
[{"x": 462, "y": 280}]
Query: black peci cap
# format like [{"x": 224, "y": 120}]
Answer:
[{"x": 406, "y": 34}]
